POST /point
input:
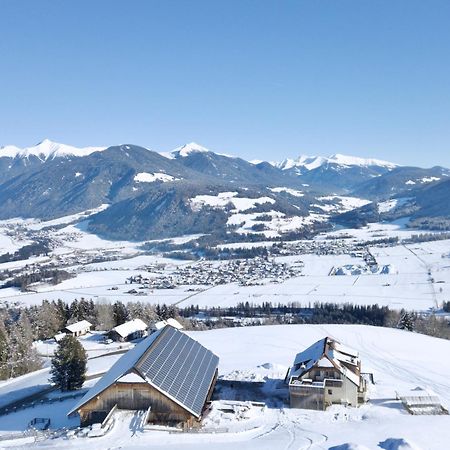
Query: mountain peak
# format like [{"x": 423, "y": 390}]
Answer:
[
  {"x": 346, "y": 160},
  {"x": 187, "y": 149},
  {"x": 313, "y": 162},
  {"x": 308, "y": 162},
  {"x": 46, "y": 150}
]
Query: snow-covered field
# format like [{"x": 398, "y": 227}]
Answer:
[{"x": 399, "y": 360}]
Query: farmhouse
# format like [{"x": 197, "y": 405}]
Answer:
[
  {"x": 78, "y": 328},
  {"x": 133, "y": 329},
  {"x": 324, "y": 374},
  {"x": 168, "y": 374}
]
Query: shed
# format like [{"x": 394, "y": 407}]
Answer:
[
  {"x": 421, "y": 401},
  {"x": 59, "y": 337},
  {"x": 78, "y": 328},
  {"x": 168, "y": 372},
  {"x": 133, "y": 329}
]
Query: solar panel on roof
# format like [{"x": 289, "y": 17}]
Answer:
[{"x": 181, "y": 367}]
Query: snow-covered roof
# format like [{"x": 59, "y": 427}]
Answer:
[
  {"x": 170, "y": 321},
  {"x": 171, "y": 362},
  {"x": 326, "y": 353},
  {"x": 79, "y": 326},
  {"x": 59, "y": 336},
  {"x": 130, "y": 327},
  {"x": 418, "y": 396}
]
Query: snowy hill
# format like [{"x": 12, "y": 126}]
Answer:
[{"x": 399, "y": 361}]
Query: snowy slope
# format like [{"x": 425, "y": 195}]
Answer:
[{"x": 399, "y": 361}]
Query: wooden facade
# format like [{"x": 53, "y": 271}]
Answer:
[
  {"x": 115, "y": 336},
  {"x": 140, "y": 396}
]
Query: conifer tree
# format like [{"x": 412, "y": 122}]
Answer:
[
  {"x": 120, "y": 313},
  {"x": 4, "y": 372},
  {"x": 406, "y": 321},
  {"x": 68, "y": 370},
  {"x": 22, "y": 357}
]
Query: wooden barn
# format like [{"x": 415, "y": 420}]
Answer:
[
  {"x": 168, "y": 373},
  {"x": 128, "y": 331},
  {"x": 324, "y": 374}
]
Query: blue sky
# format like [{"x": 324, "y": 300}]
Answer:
[{"x": 258, "y": 79}]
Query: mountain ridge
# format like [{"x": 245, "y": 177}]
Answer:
[{"x": 150, "y": 194}]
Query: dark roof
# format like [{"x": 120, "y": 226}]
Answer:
[
  {"x": 181, "y": 368},
  {"x": 172, "y": 362}
]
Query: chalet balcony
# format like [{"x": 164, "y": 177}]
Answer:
[{"x": 321, "y": 384}]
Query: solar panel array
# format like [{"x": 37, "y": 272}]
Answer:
[{"x": 181, "y": 367}]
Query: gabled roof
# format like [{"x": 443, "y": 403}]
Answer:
[
  {"x": 171, "y": 362},
  {"x": 79, "y": 326},
  {"x": 170, "y": 321},
  {"x": 130, "y": 327},
  {"x": 326, "y": 353}
]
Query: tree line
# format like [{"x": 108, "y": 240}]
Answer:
[{"x": 20, "y": 327}]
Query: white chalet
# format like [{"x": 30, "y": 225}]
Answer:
[
  {"x": 78, "y": 328},
  {"x": 133, "y": 329},
  {"x": 324, "y": 374}
]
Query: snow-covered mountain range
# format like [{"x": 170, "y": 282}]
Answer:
[
  {"x": 151, "y": 194},
  {"x": 47, "y": 150},
  {"x": 313, "y": 162}
]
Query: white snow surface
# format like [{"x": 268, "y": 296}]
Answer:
[
  {"x": 389, "y": 205},
  {"x": 47, "y": 150},
  {"x": 145, "y": 177},
  {"x": 429, "y": 179},
  {"x": 291, "y": 191},
  {"x": 224, "y": 198},
  {"x": 345, "y": 203}
]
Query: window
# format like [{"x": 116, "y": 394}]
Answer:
[{"x": 330, "y": 391}]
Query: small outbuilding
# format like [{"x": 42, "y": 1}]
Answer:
[
  {"x": 128, "y": 331},
  {"x": 170, "y": 321},
  {"x": 78, "y": 328},
  {"x": 324, "y": 374},
  {"x": 168, "y": 374},
  {"x": 59, "y": 337}
]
